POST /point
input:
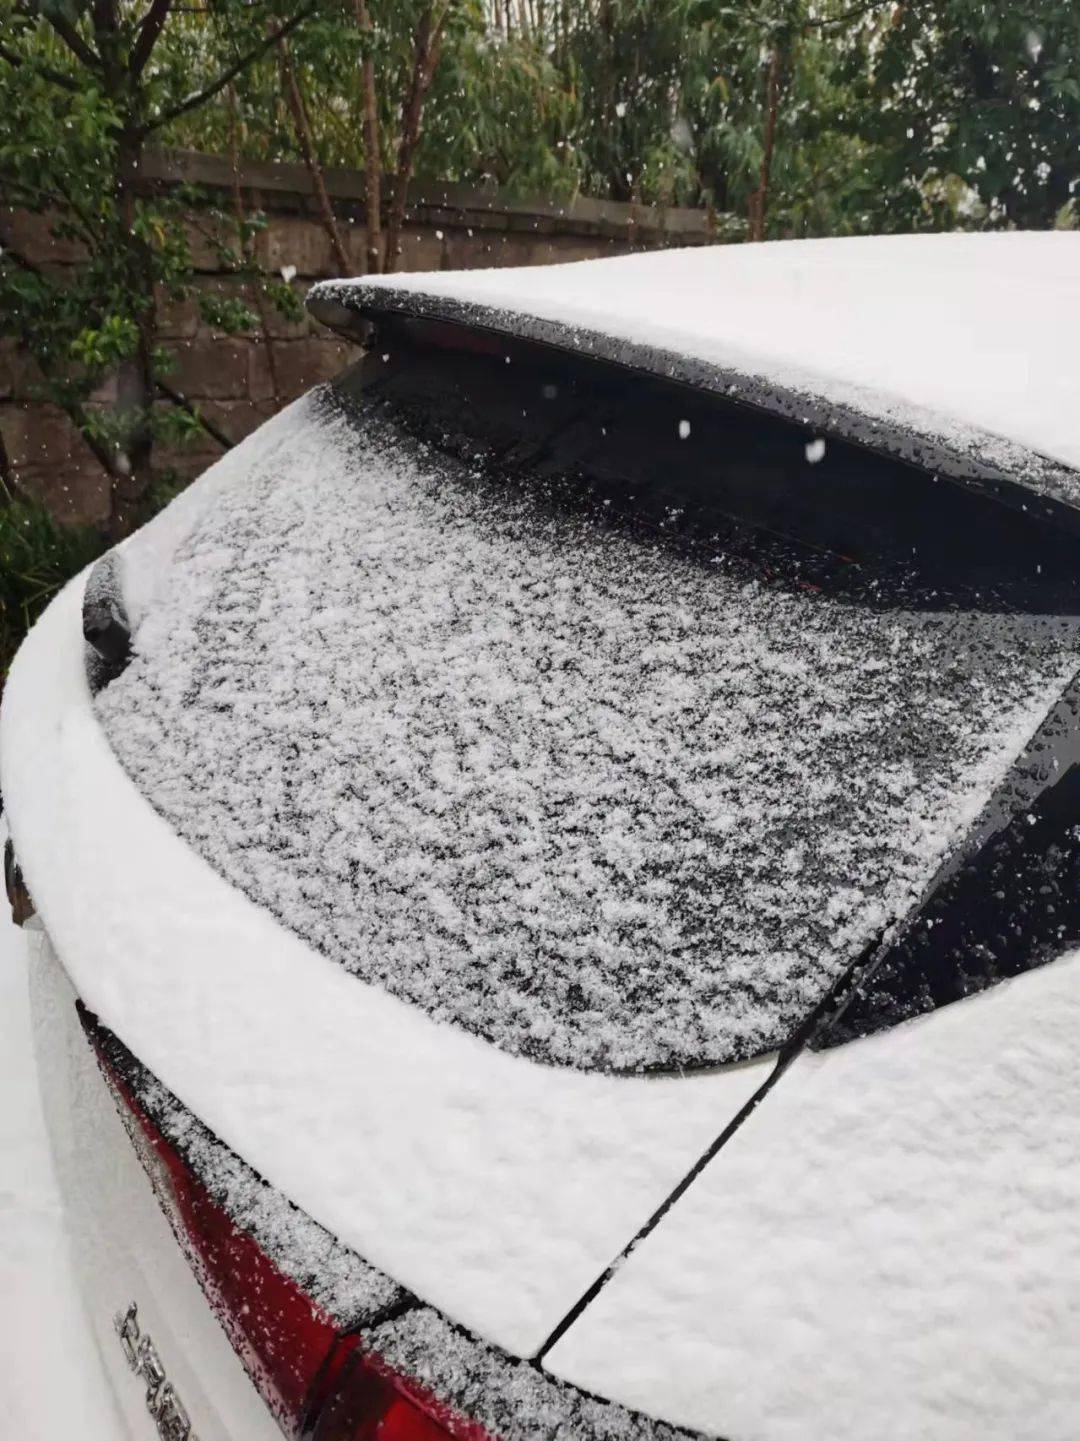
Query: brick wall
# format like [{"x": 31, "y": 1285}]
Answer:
[{"x": 229, "y": 378}]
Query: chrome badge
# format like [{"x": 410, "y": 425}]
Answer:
[{"x": 162, "y": 1401}]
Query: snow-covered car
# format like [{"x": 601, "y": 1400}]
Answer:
[{"x": 555, "y": 867}]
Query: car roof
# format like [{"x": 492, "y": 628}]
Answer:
[{"x": 954, "y": 351}]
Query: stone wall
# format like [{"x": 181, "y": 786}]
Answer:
[{"x": 229, "y": 379}]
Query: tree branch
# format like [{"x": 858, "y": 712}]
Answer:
[
  {"x": 200, "y": 97},
  {"x": 372, "y": 147},
  {"x": 46, "y": 198},
  {"x": 83, "y": 52},
  {"x": 8, "y": 252},
  {"x": 426, "y": 51},
  {"x": 212, "y": 10},
  {"x": 306, "y": 141},
  {"x": 150, "y": 27},
  {"x": 759, "y": 199},
  {"x": 247, "y": 250},
  {"x": 182, "y": 403}
]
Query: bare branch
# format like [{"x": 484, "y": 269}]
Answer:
[
  {"x": 214, "y": 10},
  {"x": 8, "y": 252},
  {"x": 248, "y": 58},
  {"x": 46, "y": 199}
]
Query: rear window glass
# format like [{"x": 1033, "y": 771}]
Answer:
[{"x": 603, "y": 800}]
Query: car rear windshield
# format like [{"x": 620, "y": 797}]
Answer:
[{"x": 514, "y": 717}]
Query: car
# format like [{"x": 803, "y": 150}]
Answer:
[{"x": 552, "y": 869}]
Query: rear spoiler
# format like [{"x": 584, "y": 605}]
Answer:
[
  {"x": 1011, "y": 473},
  {"x": 880, "y": 495}
]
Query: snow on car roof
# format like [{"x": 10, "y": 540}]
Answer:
[
  {"x": 955, "y": 350},
  {"x": 585, "y": 796}
]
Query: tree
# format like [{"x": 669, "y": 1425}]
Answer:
[
  {"x": 380, "y": 80},
  {"x": 84, "y": 87},
  {"x": 803, "y": 116},
  {"x": 974, "y": 111},
  {"x": 490, "y": 109}
]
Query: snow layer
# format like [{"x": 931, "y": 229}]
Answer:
[
  {"x": 962, "y": 340},
  {"x": 586, "y": 797},
  {"x": 887, "y": 1248},
  {"x": 492, "y": 1187},
  {"x": 511, "y": 1399},
  {"x": 350, "y": 1291}
]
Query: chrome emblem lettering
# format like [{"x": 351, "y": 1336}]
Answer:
[{"x": 162, "y": 1401}]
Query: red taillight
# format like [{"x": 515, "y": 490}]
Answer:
[
  {"x": 320, "y": 1383},
  {"x": 375, "y": 1403},
  {"x": 281, "y": 1337}
]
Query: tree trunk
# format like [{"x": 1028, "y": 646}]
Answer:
[
  {"x": 255, "y": 289},
  {"x": 312, "y": 163},
  {"x": 372, "y": 156},
  {"x": 759, "y": 199},
  {"x": 618, "y": 185},
  {"x": 129, "y": 456},
  {"x": 426, "y": 50},
  {"x": 131, "y": 471}
]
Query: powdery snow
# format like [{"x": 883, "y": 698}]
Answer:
[
  {"x": 963, "y": 343},
  {"x": 350, "y": 1291},
  {"x": 494, "y": 1188},
  {"x": 887, "y": 1248},
  {"x": 511, "y": 1399},
  {"x": 587, "y": 797}
]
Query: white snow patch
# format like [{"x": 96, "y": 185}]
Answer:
[
  {"x": 886, "y": 1248},
  {"x": 333, "y": 1277}
]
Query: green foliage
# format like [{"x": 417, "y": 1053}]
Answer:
[
  {"x": 832, "y": 117},
  {"x": 974, "y": 111},
  {"x": 37, "y": 556},
  {"x": 81, "y": 94}
]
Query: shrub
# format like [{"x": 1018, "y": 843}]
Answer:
[{"x": 37, "y": 556}]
